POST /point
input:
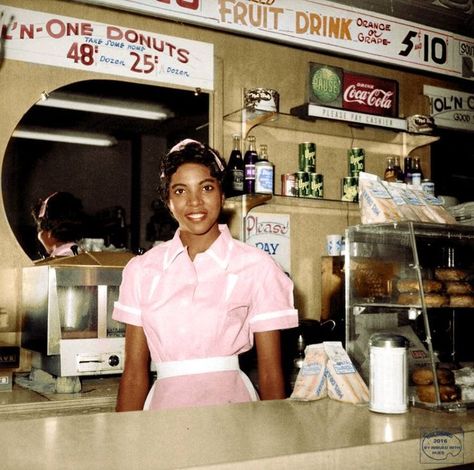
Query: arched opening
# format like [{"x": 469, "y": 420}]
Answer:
[{"x": 111, "y": 181}]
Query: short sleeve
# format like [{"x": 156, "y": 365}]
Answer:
[
  {"x": 272, "y": 302},
  {"x": 127, "y": 307}
]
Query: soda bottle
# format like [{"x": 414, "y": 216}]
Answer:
[
  {"x": 389, "y": 174},
  {"x": 263, "y": 172},
  {"x": 235, "y": 170},
  {"x": 399, "y": 176},
  {"x": 407, "y": 170},
  {"x": 416, "y": 173},
  {"x": 250, "y": 159}
]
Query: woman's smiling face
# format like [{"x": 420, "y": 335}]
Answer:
[{"x": 195, "y": 200}]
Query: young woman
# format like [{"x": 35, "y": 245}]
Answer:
[
  {"x": 194, "y": 303},
  {"x": 60, "y": 223}
]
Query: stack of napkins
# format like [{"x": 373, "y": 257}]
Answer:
[{"x": 327, "y": 371}]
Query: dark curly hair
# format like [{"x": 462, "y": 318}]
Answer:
[
  {"x": 189, "y": 151},
  {"x": 62, "y": 214}
]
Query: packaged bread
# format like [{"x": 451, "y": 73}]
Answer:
[
  {"x": 343, "y": 381},
  {"x": 417, "y": 205},
  {"x": 435, "y": 207},
  {"x": 376, "y": 204},
  {"x": 328, "y": 371},
  {"x": 400, "y": 199},
  {"x": 310, "y": 383}
]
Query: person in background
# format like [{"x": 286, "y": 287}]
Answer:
[
  {"x": 197, "y": 301},
  {"x": 60, "y": 223}
]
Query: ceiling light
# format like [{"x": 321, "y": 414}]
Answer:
[
  {"x": 67, "y": 136},
  {"x": 79, "y": 102}
]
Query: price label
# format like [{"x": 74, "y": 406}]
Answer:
[
  {"x": 68, "y": 42},
  {"x": 427, "y": 47},
  {"x": 86, "y": 54},
  {"x": 83, "y": 53}
]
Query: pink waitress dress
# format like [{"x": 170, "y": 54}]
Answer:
[{"x": 199, "y": 315}]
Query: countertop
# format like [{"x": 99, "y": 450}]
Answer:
[
  {"x": 37, "y": 400},
  {"x": 277, "y": 434}
]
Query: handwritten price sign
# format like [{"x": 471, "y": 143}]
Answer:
[
  {"x": 43, "y": 38},
  {"x": 326, "y": 26}
]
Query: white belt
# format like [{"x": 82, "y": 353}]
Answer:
[
  {"x": 200, "y": 366},
  {"x": 196, "y": 366}
]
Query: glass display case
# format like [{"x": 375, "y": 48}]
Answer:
[{"x": 415, "y": 279}]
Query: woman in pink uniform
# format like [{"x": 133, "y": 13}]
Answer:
[{"x": 194, "y": 303}]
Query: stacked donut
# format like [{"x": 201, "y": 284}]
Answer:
[
  {"x": 422, "y": 377},
  {"x": 460, "y": 291},
  {"x": 450, "y": 288}
]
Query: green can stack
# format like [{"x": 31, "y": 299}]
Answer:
[
  {"x": 307, "y": 157},
  {"x": 356, "y": 161},
  {"x": 316, "y": 185},
  {"x": 302, "y": 184}
]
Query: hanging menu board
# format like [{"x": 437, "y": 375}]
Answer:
[
  {"x": 60, "y": 41},
  {"x": 325, "y": 26}
]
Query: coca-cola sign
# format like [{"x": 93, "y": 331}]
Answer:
[{"x": 371, "y": 95}]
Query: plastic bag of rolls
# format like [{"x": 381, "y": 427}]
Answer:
[{"x": 382, "y": 202}]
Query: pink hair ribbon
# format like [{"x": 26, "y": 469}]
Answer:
[
  {"x": 183, "y": 143},
  {"x": 44, "y": 205}
]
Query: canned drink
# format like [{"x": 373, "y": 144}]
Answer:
[
  {"x": 302, "y": 184},
  {"x": 428, "y": 187},
  {"x": 316, "y": 185},
  {"x": 356, "y": 161},
  {"x": 307, "y": 157},
  {"x": 288, "y": 184},
  {"x": 350, "y": 189}
]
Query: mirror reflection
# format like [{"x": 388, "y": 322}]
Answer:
[{"x": 54, "y": 148}]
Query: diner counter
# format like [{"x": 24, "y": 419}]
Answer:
[{"x": 270, "y": 434}]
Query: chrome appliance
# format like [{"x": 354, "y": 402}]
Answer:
[{"x": 67, "y": 308}]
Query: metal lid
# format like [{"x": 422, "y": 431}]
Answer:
[{"x": 388, "y": 340}]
